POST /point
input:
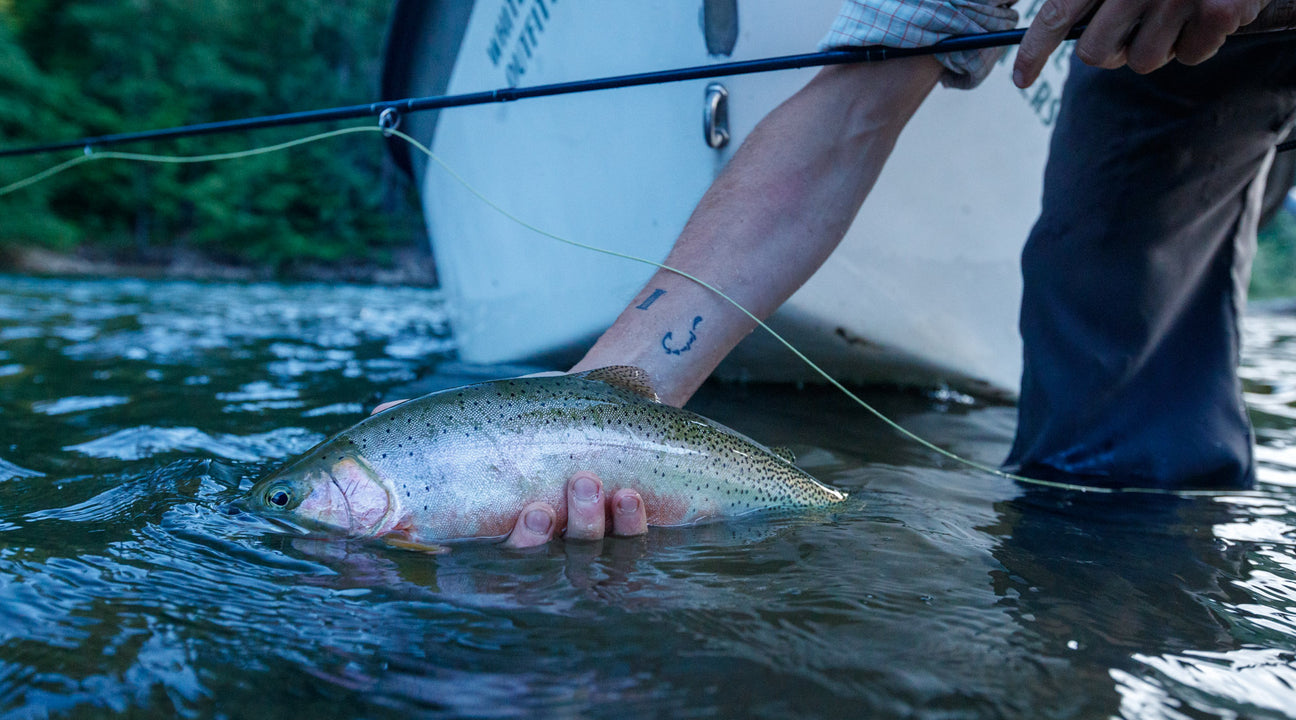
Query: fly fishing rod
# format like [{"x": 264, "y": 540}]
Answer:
[{"x": 1278, "y": 17}]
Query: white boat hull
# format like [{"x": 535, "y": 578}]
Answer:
[{"x": 925, "y": 287}]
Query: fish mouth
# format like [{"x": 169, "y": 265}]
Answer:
[{"x": 243, "y": 511}]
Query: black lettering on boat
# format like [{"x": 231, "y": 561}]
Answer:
[{"x": 516, "y": 37}]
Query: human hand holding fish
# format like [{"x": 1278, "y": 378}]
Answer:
[
  {"x": 469, "y": 462},
  {"x": 588, "y": 509},
  {"x": 587, "y": 515}
]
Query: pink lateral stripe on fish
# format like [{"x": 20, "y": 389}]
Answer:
[{"x": 462, "y": 463}]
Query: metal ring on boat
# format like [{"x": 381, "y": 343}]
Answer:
[{"x": 715, "y": 116}]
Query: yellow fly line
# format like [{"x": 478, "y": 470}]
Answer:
[{"x": 92, "y": 156}]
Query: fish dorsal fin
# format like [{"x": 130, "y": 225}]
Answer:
[
  {"x": 784, "y": 452},
  {"x": 626, "y": 377}
]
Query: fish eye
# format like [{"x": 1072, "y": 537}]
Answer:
[{"x": 278, "y": 497}]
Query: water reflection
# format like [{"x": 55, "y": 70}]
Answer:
[
  {"x": 131, "y": 413},
  {"x": 1096, "y": 580}
]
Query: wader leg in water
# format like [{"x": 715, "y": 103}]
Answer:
[{"x": 1136, "y": 272}]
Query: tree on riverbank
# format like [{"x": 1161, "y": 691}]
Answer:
[
  {"x": 70, "y": 68},
  {"x": 83, "y": 67}
]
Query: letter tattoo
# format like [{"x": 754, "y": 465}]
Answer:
[{"x": 650, "y": 299}]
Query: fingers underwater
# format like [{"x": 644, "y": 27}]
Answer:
[
  {"x": 586, "y": 514},
  {"x": 589, "y": 511},
  {"x": 629, "y": 516},
  {"x": 535, "y": 526}
]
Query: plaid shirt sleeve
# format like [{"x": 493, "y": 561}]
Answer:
[{"x": 912, "y": 23}]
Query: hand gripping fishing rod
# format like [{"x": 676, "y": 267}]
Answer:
[{"x": 1278, "y": 17}]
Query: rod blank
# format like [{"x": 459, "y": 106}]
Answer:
[{"x": 1278, "y": 17}]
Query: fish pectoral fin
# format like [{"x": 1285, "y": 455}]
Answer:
[
  {"x": 405, "y": 542},
  {"x": 626, "y": 377}
]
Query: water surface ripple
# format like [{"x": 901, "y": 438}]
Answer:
[{"x": 132, "y": 412}]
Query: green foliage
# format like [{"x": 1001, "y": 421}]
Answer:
[
  {"x": 87, "y": 67},
  {"x": 1274, "y": 272}
]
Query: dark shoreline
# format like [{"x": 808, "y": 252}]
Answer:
[{"x": 409, "y": 267}]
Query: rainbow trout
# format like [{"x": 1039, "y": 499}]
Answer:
[{"x": 463, "y": 463}]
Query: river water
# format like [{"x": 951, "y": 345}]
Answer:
[{"x": 131, "y": 412}]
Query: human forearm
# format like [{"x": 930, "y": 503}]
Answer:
[{"x": 767, "y": 223}]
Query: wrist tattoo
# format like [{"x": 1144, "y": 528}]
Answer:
[
  {"x": 650, "y": 299},
  {"x": 672, "y": 347}
]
